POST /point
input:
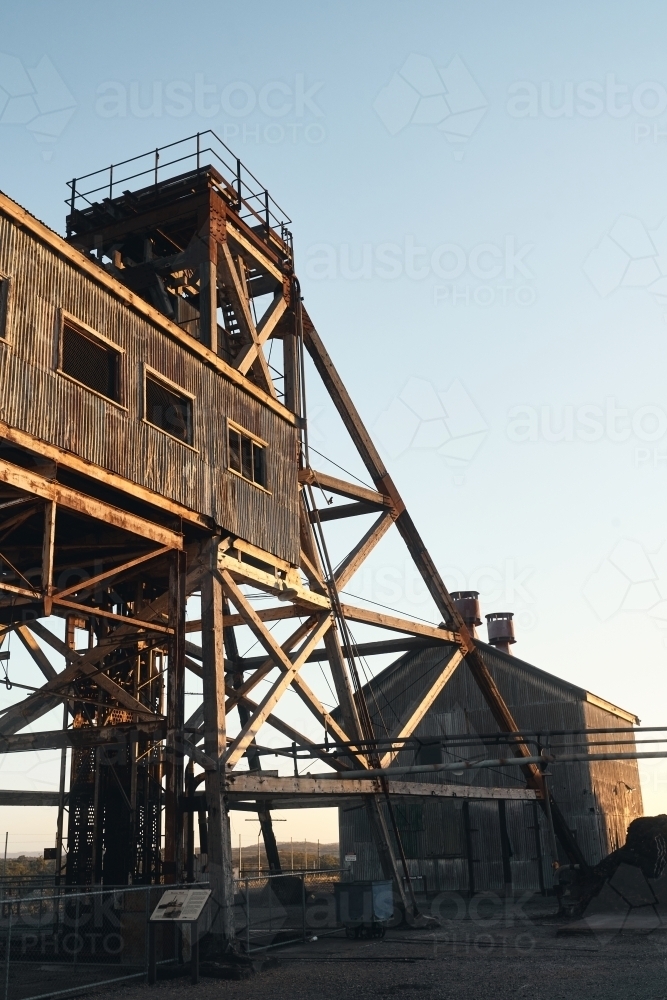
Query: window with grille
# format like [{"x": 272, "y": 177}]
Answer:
[
  {"x": 247, "y": 457},
  {"x": 4, "y": 297},
  {"x": 168, "y": 409},
  {"x": 91, "y": 362}
]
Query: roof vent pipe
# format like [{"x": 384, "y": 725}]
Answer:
[
  {"x": 500, "y": 628},
  {"x": 467, "y": 605}
]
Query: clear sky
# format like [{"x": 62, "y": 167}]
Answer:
[{"x": 478, "y": 200}]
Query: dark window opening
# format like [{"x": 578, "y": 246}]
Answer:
[
  {"x": 187, "y": 316},
  {"x": 247, "y": 457},
  {"x": 410, "y": 823},
  {"x": 90, "y": 362},
  {"x": 168, "y": 410},
  {"x": 4, "y": 295},
  {"x": 429, "y": 753}
]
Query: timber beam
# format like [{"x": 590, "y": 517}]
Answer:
[
  {"x": 355, "y": 614},
  {"x": 396, "y": 624},
  {"x": 10, "y": 797},
  {"x": 85, "y": 736},
  {"x": 288, "y": 586},
  {"x": 353, "y": 491},
  {"x": 30, "y": 482},
  {"x": 408, "y": 645},
  {"x": 343, "y": 510},
  {"x": 252, "y": 785}
]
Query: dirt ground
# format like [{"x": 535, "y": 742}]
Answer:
[{"x": 521, "y": 953}]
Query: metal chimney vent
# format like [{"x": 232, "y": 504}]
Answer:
[
  {"x": 500, "y": 628},
  {"x": 467, "y": 605}
]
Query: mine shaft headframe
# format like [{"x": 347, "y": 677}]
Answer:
[
  {"x": 190, "y": 229},
  {"x": 205, "y": 245}
]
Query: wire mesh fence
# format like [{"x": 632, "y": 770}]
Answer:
[
  {"x": 275, "y": 910},
  {"x": 58, "y": 940}
]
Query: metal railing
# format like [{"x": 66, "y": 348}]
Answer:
[{"x": 253, "y": 202}]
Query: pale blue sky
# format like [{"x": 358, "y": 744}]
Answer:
[{"x": 511, "y": 309}]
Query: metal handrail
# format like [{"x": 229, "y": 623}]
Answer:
[{"x": 258, "y": 203}]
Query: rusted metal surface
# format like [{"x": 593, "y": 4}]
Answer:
[{"x": 40, "y": 401}]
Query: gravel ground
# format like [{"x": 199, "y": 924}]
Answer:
[{"x": 523, "y": 957}]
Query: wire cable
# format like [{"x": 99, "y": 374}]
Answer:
[
  {"x": 342, "y": 468},
  {"x": 358, "y": 597}
]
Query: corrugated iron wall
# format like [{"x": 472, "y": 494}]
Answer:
[
  {"x": 599, "y": 800},
  {"x": 616, "y": 789},
  {"x": 460, "y": 846},
  {"x": 36, "y": 399}
]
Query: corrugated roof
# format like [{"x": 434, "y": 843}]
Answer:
[{"x": 403, "y": 680}]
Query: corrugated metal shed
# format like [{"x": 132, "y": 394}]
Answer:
[{"x": 506, "y": 842}]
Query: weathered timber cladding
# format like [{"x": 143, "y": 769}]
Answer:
[
  {"x": 41, "y": 402},
  {"x": 599, "y": 799}
]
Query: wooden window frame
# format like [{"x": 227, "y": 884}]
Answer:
[
  {"x": 173, "y": 387},
  {"x": 264, "y": 445},
  {"x": 67, "y": 319}
]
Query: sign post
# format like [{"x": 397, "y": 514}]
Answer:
[{"x": 181, "y": 906}]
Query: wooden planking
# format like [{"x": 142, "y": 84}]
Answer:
[
  {"x": 290, "y": 587},
  {"x": 95, "y": 612},
  {"x": 266, "y": 614},
  {"x": 254, "y": 252},
  {"x": 43, "y": 405},
  {"x": 67, "y": 459},
  {"x": 607, "y": 706}
]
